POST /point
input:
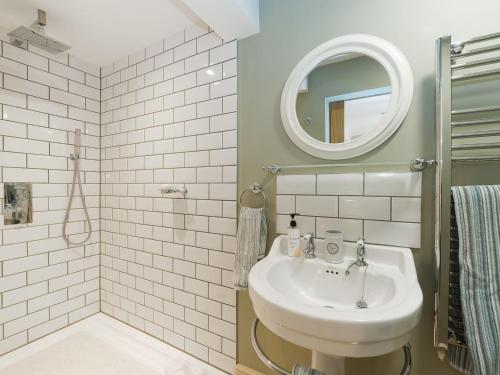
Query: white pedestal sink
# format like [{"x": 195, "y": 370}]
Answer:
[{"x": 312, "y": 303}]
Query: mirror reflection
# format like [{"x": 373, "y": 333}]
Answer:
[{"x": 343, "y": 98}]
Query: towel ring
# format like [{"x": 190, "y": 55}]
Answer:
[{"x": 256, "y": 188}]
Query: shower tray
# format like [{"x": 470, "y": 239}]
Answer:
[{"x": 101, "y": 345}]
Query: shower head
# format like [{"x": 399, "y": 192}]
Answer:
[
  {"x": 78, "y": 142},
  {"x": 35, "y": 35}
]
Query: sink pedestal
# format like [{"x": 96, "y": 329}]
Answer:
[{"x": 329, "y": 364}]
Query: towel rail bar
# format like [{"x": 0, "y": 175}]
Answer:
[
  {"x": 416, "y": 165},
  {"x": 476, "y": 122},
  {"x": 478, "y": 39},
  {"x": 475, "y": 146},
  {"x": 476, "y": 134},
  {"x": 450, "y": 58},
  {"x": 477, "y": 51},
  {"x": 469, "y": 111},
  {"x": 280, "y": 370},
  {"x": 473, "y": 64},
  {"x": 475, "y": 158},
  {"x": 262, "y": 356},
  {"x": 487, "y": 73}
]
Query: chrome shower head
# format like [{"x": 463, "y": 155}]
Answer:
[{"x": 35, "y": 35}]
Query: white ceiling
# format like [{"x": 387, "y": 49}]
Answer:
[{"x": 101, "y": 31}]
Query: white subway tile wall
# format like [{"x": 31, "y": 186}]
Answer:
[
  {"x": 169, "y": 117},
  {"x": 382, "y": 207},
  {"x": 44, "y": 284}
]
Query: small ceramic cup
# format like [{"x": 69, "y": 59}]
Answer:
[{"x": 334, "y": 246}]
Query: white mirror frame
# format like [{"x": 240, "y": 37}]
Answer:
[{"x": 401, "y": 78}]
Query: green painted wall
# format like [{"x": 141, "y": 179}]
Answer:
[
  {"x": 292, "y": 28},
  {"x": 343, "y": 77}
]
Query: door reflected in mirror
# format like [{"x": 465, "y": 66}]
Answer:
[{"x": 343, "y": 98}]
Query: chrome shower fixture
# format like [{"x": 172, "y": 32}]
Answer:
[
  {"x": 76, "y": 181},
  {"x": 35, "y": 35}
]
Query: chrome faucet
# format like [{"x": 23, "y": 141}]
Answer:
[
  {"x": 360, "y": 256},
  {"x": 360, "y": 262},
  {"x": 309, "y": 249}
]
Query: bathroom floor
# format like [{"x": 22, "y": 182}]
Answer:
[
  {"x": 101, "y": 346},
  {"x": 81, "y": 354}
]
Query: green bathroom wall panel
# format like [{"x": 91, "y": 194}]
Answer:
[{"x": 289, "y": 30}]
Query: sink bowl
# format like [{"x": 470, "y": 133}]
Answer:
[{"x": 312, "y": 303}]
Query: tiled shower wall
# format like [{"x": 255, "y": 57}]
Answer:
[
  {"x": 44, "y": 284},
  {"x": 169, "y": 117}
]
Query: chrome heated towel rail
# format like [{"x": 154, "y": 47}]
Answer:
[{"x": 463, "y": 135}]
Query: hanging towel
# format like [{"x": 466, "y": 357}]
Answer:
[
  {"x": 477, "y": 211},
  {"x": 250, "y": 243},
  {"x": 303, "y": 370},
  {"x": 458, "y": 351}
]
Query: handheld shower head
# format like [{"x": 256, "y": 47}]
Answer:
[
  {"x": 78, "y": 137},
  {"x": 35, "y": 35},
  {"x": 78, "y": 142},
  {"x": 77, "y": 182}
]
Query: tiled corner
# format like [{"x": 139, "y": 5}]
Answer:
[
  {"x": 169, "y": 117},
  {"x": 45, "y": 284},
  {"x": 385, "y": 208},
  {"x": 164, "y": 114}
]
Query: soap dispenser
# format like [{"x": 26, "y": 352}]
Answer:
[{"x": 293, "y": 237}]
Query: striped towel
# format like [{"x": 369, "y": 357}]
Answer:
[
  {"x": 251, "y": 241},
  {"x": 458, "y": 351},
  {"x": 303, "y": 370},
  {"x": 478, "y": 221}
]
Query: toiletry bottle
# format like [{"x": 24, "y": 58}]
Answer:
[{"x": 293, "y": 237}]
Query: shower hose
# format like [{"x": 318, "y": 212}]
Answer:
[{"x": 76, "y": 179}]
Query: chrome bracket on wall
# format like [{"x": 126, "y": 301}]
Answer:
[
  {"x": 419, "y": 164},
  {"x": 168, "y": 189},
  {"x": 273, "y": 169},
  {"x": 280, "y": 370}
]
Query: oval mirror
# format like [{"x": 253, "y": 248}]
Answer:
[{"x": 347, "y": 96}]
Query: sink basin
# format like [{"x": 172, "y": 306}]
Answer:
[{"x": 312, "y": 303}]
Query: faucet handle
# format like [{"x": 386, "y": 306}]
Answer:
[
  {"x": 360, "y": 241},
  {"x": 360, "y": 252}
]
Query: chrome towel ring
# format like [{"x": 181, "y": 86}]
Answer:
[{"x": 256, "y": 188}]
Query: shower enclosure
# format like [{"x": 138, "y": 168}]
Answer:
[{"x": 133, "y": 187}]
